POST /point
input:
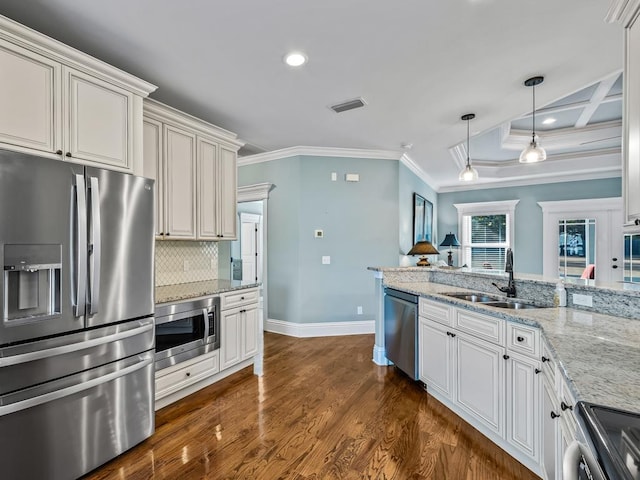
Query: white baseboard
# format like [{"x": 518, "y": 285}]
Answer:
[
  {"x": 380, "y": 356},
  {"x": 324, "y": 329}
]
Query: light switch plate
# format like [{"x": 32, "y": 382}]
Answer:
[
  {"x": 326, "y": 260},
  {"x": 352, "y": 177},
  {"x": 334, "y": 176}
]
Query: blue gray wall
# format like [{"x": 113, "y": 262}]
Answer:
[
  {"x": 408, "y": 184},
  {"x": 528, "y": 218},
  {"x": 361, "y": 224}
]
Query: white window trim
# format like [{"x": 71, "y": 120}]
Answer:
[{"x": 507, "y": 207}]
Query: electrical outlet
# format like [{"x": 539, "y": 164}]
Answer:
[
  {"x": 318, "y": 233},
  {"x": 186, "y": 265},
  {"x": 326, "y": 260},
  {"x": 584, "y": 300},
  {"x": 359, "y": 309}
]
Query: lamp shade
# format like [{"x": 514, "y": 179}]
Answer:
[
  {"x": 450, "y": 240},
  {"x": 423, "y": 248}
]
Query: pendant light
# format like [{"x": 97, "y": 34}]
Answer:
[
  {"x": 469, "y": 174},
  {"x": 534, "y": 152}
]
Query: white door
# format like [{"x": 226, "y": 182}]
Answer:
[
  {"x": 549, "y": 432},
  {"x": 250, "y": 331},
  {"x": 227, "y": 196},
  {"x": 250, "y": 243},
  {"x": 230, "y": 330},
  {"x": 569, "y": 249},
  {"x": 207, "y": 189},
  {"x": 153, "y": 166}
]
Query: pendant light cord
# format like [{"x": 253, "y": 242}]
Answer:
[
  {"x": 468, "y": 120},
  {"x": 533, "y": 135}
]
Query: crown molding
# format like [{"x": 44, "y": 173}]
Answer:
[
  {"x": 30, "y": 39},
  {"x": 254, "y": 193},
  {"x": 609, "y": 203},
  {"x": 164, "y": 113},
  {"x": 338, "y": 152},
  {"x": 622, "y": 11},
  {"x": 534, "y": 180},
  {"x": 419, "y": 172},
  {"x": 317, "y": 152}
]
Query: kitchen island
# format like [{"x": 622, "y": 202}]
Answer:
[{"x": 596, "y": 355}]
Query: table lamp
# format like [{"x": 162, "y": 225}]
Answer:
[
  {"x": 450, "y": 240},
  {"x": 423, "y": 249}
]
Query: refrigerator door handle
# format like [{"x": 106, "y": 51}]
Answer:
[
  {"x": 95, "y": 252},
  {"x": 144, "y": 360},
  {"x": 80, "y": 246}
]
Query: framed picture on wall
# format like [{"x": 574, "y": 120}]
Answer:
[{"x": 422, "y": 219}]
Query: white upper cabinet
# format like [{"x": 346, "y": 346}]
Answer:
[
  {"x": 99, "y": 117},
  {"x": 29, "y": 99},
  {"x": 180, "y": 183},
  {"x": 626, "y": 13},
  {"x": 59, "y": 102},
  {"x": 195, "y": 174}
]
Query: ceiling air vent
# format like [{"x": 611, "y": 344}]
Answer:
[{"x": 348, "y": 105}]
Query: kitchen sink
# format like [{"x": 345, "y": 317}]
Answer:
[
  {"x": 490, "y": 300},
  {"x": 473, "y": 297}
]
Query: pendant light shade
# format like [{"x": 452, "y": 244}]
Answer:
[
  {"x": 468, "y": 174},
  {"x": 534, "y": 152}
]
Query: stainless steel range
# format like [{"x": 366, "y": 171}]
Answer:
[{"x": 77, "y": 325}]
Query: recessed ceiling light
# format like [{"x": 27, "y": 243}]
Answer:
[
  {"x": 548, "y": 121},
  {"x": 295, "y": 59}
]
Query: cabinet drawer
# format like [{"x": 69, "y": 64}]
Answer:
[
  {"x": 172, "y": 379},
  {"x": 548, "y": 364},
  {"x": 481, "y": 326},
  {"x": 239, "y": 298},
  {"x": 523, "y": 339},
  {"x": 436, "y": 311}
]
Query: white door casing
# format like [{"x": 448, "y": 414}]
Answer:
[{"x": 608, "y": 215}]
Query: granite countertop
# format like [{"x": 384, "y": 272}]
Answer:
[
  {"x": 185, "y": 291},
  {"x": 598, "y": 354}
]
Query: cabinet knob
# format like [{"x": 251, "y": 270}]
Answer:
[
  {"x": 188, "y": 374},
  {"x": 614, "y": 266},
  {"x": 241, "y": 298},
  {"x": 564, "y": 406},
  {"x": 637, "y": 221},
  {"x": 58, "y": 152},
  {"x": 545, "y": 359},
  {"x": 537, "y": 370},
  {"x": 167, "y": 234},
  {"x": 505, "y": 356},
  {"x": 554, "y": 414},
  {"x": 520, "y": 339},
  {"x": 614, "y": 259},
  {"x": 68, "y": 154}
]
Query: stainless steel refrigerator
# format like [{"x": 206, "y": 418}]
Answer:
[{"x": 77, "y": 326}]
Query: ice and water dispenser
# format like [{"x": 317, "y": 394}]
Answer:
[{"x": 32, "y": 285}]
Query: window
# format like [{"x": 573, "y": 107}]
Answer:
[{"x": 486, "y": 233}]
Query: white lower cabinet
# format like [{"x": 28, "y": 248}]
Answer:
[
  {"x": 173, "y": 379},
  {"x": 523, "y": 404},
  {"x": 486, "y": 370},
  {"x": 436, "y": 357},
  {"x": 480, "y": 380},
  {"x": 240, "y": 329}
]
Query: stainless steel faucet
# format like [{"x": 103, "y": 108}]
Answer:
[{"x": 510, "y": 289}]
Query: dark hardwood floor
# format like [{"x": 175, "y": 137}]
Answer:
[{"x": 322, "y": 410}]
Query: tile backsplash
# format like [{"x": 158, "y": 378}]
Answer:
[{"x": 185, "y": 262}]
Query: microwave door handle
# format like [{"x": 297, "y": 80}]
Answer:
[
  {"x": 205, "y": 312},
  {"x": 80, "y": 245},
  {"x": 96, "y": 253}
]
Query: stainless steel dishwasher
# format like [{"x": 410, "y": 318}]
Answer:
[{"x": 401, "y": 329}]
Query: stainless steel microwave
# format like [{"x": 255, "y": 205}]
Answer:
[{"x": 186, "y": 330}]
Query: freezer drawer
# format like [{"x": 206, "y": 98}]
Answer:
[
  {"x": 64, "y": 429},
  {"x": 32, "y": 363}
]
